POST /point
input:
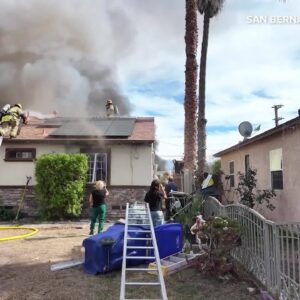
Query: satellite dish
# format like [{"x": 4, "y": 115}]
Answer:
[{"x": 245, "y": 129}]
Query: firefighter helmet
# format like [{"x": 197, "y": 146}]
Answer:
[
  {"x": 109, "y": 102},
  {"x": 19, "y": 105}
]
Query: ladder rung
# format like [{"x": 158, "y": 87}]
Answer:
[
  {"x": 140, "y": 239},
  {"x": 140, "y": 257},
  {"x": 132, "y": 213},
  {"x": 141, "y": 269},
  {"x": 140, "y": 247},
  {"x": 142, "y": 283},
  {"x": 144, "y": 231}
]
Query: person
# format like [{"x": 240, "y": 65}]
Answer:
[
  {"x": 156, "y": 197},
  {"x": 111, "y": 110},
  {"x": 11, "y": 120},
  {"x": 208, "y": 187},
  {"x": 164, "y": 178},
  {"x": 170, "y": 186},
  {"x": 98, "y": 206},
  {"x": 4, "y": 110}
]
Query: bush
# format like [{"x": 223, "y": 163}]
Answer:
[
  {"x": 222, "y": 235},
  {"x": 187, "y": 218},
  {"x": 6, "y": 214},
  {"x": 61, "y": 180},
  {"x": 249, "y": 195}
]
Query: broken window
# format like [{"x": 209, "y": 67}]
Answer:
[{"x": 97, "y": 167}]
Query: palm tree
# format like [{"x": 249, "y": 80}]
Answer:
[
  {"x": 209, "y": 8},
  {"x": 190, "y": 101}
]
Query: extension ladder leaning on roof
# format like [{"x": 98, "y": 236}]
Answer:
[{"x": 139, "y": 214}]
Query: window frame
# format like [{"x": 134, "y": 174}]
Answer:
[
  {"x": 9, "y": 157},
  {"x": 97, "y": 151}
]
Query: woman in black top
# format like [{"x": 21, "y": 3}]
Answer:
[
  {"x": 97, "y": 203},
  {"x": 155, "y": 197}
]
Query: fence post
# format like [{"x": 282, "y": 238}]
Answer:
[
  {"x": 267, "y": 254},
  {"x": 277, "y": 259}
]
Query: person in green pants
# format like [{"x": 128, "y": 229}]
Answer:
[{"x": 98, "y": 206}]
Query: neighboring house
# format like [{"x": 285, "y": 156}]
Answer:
[
  {"x": 120, "y": 151},
  {"x": 275, "y": 154}
]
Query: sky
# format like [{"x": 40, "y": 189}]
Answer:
[{"x": 72, "y": 55}]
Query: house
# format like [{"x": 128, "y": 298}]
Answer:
[
  {"x": 120, "y": 151},
  {"x": 275, "y": 154}
]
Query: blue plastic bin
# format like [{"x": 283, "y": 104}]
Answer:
[{"x": 169, "y": 239}]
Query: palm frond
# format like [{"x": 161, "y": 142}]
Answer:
[{"x": 210, "y": 7}]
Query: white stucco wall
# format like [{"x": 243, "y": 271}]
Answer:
[
  {"x": 14, "y": 172},
  {"x": 130, "y": 165}
]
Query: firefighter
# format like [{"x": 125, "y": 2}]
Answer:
[
  {"x": 111, "y": 110},
  {"x": 11, "y": 120},
  {"x": 4, "y": 110}
]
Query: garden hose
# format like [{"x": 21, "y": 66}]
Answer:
[{"x": 16, "y": 237}]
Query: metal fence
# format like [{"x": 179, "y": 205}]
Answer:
[{"x": 269, "y": 250}]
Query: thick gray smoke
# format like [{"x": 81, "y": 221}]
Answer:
[{"x": 63, "y": 55}]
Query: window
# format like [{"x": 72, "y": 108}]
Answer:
[
  {"x": 20, "y": 154},
  {"x": 247, "y": 164},
  {"x": 277, "y": 180},
  {"x": 97, "y": 167},
  {"x": 276, "y": 169},
  {"x": 231, "y": 173}
]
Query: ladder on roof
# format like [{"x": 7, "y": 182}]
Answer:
[{"x": 139, "y": 214}]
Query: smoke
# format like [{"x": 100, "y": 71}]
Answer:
[{"x": 63, "y": 55}]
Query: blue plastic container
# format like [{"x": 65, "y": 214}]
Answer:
[
  {"x": 104, "y": 251},
  {"x": 169, "y": 238}
]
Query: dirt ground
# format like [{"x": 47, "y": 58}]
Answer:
[{"x": 25, "y": 271}]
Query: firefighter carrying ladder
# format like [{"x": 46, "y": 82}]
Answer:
[{"x": 139, "y": 214}]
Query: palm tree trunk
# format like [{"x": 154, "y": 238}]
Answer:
[
  {"x": 190, "y": 101},
  {"x": 201, "y": 104}
]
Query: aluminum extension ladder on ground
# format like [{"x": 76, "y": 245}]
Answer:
[{"x": 139, "y": 214}]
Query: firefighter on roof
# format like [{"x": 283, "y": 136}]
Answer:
[
  {"x": 11, "y": 120},
  {"x": 111, "y": 110}
]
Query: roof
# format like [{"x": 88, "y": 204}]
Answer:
[
  {"x": 269, "y": 133},
  {"x": 110, "y": 130}
]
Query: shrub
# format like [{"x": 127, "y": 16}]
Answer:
[
  {"x": 187, "y": 218},
  {"x": 7, "y": 214},
  {"x": 222, "y": 235},
  {"x": 61, "y": 180},
  {"x": 248, "y": 193}
]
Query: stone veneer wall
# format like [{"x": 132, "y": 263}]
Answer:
[{"x": 10, "y": 198}]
